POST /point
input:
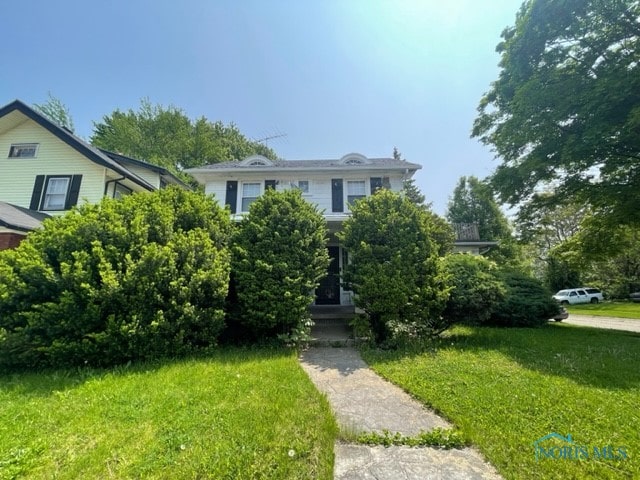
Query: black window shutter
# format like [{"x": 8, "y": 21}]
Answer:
[
  {"x": 270, "y": 184},
  {"x": 37, "y": 193},
  {"x": 231, "y": 197},
  {"x": 74, "y": 191},
  {"x": 337, "y": 195},
  {"x": 376, "y": 184}
]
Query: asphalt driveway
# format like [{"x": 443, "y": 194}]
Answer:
[{"x": 614, "y": 323}]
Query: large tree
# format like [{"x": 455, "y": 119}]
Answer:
[
  {"x": 565, "y": 109},
  {"x": 56, "y": 111},
  {"x": 473, "y": 203},
  {"x": 167, "y": 137},
  {"x": 543, "y": 229}
]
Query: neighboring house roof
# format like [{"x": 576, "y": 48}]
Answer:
[
  {"x": 89, "y": 151},
  {"x": 468, "y": 235},
  {"x": 19, "y": 218},
  {"x": 165, "y": 174},
  {"x": 257, "y": 163}
]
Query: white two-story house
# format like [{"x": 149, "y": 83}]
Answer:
[
  {"x": 45, "y": 170},
  {"x": 330, "y": 184}
]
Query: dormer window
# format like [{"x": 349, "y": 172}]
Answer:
[
  {"x": 256, "y": 161},
  {"x": 23, "y": 150},
  {"x": 354, "y": 159}
]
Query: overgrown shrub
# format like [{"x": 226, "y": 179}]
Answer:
[
  {"x": 126, "y": 279},
  {"x": 527, "y": 303},
  {"x": 279, "y": 256},
  {"x": 477, "y": 288},
  {"x": 394, "y": 267}
]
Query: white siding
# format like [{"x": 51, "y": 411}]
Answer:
[
  {"x": 319, "y": 185},
  {"x": 218, "y": 188},
  {"x": 54, "y": 157}
]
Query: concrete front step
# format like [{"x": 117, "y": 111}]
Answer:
[{"x": 332, "y": 312}]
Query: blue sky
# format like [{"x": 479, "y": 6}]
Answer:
[{"x": 335, "y": 76}]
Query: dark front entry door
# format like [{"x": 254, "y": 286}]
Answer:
[{"x": 328, "y": 293}]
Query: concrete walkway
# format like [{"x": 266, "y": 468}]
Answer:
[
  {"x": 364, "y": 402},
  {"x": 614, "y": 323}
]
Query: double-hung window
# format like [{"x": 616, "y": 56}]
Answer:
[
  {"x": 356, "y": 190},
  {"x": 250, "y": 193},
  {"x": 303, "y": 186},
  {"x": 55, "y": 194}
]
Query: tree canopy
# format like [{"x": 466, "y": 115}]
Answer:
[
  {"x": 167, "y": 137},
  {"x": 473, "y": 202},
  {"x": 56, "y": 111},
  {"x": 565, "y": 108}
]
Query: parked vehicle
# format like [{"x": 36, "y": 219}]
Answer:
[
  {"x": 562, "y": 315},
  {"x": 635, "y": 297},
  {"x": 579, "y": 295}
]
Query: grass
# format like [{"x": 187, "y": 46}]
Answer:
[
  {"x": 607, "y": 309},
  {"x": 240, "y": 413},
  {"x": 506, "y": 388}
]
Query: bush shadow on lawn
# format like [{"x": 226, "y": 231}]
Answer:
[
  {"x": 600, "y": 358},
  {"x": 45, "y": 382}
]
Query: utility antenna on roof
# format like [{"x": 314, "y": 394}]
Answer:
[{"x": 266, "y": 139}]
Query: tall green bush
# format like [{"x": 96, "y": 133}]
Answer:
[
  {"x": 126, "y": 279},
  {"x": 279, "y": 256},
  {"x": 394, "y": 267},
  {"x": 477, "y": 288},
  {"x": 527, "y": 303}
]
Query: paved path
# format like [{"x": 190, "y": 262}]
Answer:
[
  {"x": 614, "y": 323},
  {"x": 364, "y": 402}
]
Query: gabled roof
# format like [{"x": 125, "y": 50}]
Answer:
[
  {"x": 163, "y": 172},
  {"x": 343, "y": 163},
  {"x": 89, "y": 151},
  {"x": 18, "y": 218}
]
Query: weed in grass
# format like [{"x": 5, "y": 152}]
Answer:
[{"x": 438, "y": 437}]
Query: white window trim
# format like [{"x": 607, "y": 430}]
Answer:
[
  {"x": 46, "y": 195},
  {"x": 35, "y": 147},
  {"x": 120, "y": 190},
  {"x": 296, "y": 184},
  {"x": 346, "y": 190},
  {"x": 242, "y": 197}
]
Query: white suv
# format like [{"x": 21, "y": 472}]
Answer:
[{"x": 579, "y": 295}]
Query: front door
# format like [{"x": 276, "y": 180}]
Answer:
[{"x": 328, "y": 293}]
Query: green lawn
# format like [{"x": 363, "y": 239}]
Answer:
[
  {"x": 240, "y": 413},
  {"x": 607, "y": 309},
  {"x": 506, "y": 388}
]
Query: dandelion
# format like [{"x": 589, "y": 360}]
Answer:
[{"x": 292, "y": 453}]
